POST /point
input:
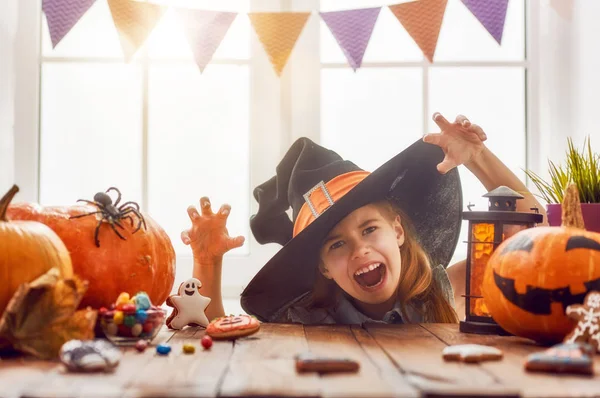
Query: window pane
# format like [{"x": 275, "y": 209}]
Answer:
[
  {"x": 493, "y": 98},
  {"x": 169, "y": 39},
  {"x": 389, "y": 42},
  {"x": 199, "y": 145},
  {"x": 463, "y": 37},
  {"x": 93, "y": 36},
  {"x": 383, "y": 104},
  {"x": 90, "y": 131}
]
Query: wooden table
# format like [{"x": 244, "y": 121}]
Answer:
[{"x": 396, "y": 361}]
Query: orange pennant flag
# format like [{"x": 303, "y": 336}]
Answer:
[
  {"x": 278, "y": 33},
  {"x": 422, "y": 20},
  {"x": 134, "y": 21}
]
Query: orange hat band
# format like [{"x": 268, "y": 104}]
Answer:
[{"x": 323, "y": 195}]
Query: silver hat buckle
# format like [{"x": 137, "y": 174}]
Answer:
[{"x": 322, "y": 187}]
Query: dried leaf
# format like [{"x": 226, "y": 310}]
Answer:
[{"x": 42, "y": 316}]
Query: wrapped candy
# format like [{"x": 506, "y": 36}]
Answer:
[{"x": 89, "y": 355}]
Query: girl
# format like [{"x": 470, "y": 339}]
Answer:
[{"x": 362, "y": 247}]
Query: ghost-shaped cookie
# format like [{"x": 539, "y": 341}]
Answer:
[{"x": 188, "y": 306}]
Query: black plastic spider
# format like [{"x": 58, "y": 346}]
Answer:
[{"x": 113, "y": 214}]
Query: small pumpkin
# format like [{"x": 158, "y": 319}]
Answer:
[
  {"x": 534, "y": 275},
  {"x": 143, "y": 259},
  {"x": 28, "y": 250}
]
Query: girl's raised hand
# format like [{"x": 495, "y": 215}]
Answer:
[
  {"x": 461, "y": 141},
  {"x": 208, "y": 236}
]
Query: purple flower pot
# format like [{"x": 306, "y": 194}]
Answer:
[{"x": 591, "y": 215}]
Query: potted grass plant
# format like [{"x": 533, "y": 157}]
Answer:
[{"x": 581, "y": 168}]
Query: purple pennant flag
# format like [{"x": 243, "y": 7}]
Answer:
[
  {"x": 205, "y": 31},
  {"x": 352, "y": 29},
  {"x": 491, "y": 14},
  {"x": 62, "y": 15}
]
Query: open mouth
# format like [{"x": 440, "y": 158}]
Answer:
[
  {"x": 371, "y": 276},
  {"x": 189, "y": 293}
]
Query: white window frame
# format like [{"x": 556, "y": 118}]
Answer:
[{"x": 293, "y": 103}]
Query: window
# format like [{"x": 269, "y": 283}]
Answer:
[
  {"x": 156, "y": 128},
  {"x": 165, "y": 134},
  {"x": 394, "y": 94}
]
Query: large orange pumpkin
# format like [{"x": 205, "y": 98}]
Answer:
[
  {"x": 534, "y": 275},
  {"x": 145, "y": 261},
  {"x": 27, "y": 251}
]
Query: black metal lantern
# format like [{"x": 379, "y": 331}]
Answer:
[{"x": 487, "y": 229}]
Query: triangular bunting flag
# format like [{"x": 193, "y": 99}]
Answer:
[
  {"x": 134, "y": 21},
  {"x": 62, "y": 15},
  {"x": 491, "y": 14},
  {"x": 422, "y": 20},
  {"x": 564, "y": 8},
  {"x": 205, "y": 31},
  {"x": 278, "y": 33},
  {"x": 352, "y": 29}
]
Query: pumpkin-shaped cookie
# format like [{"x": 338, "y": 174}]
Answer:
[{"x": 232, "y": 327}]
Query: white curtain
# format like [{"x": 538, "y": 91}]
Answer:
[
  {"x": 8, "y": 29},
  {"x": 569, "y": 80}
]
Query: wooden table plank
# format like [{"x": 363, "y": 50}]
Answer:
[
  {"x": 338, "y": 340},
  {"x": 396, "y": 360},
  {"x": 511, "y": 371},
  {"x": 263, "y": 365},
  {"x": 18, "y": 375},
  {"x": 183, "y": 375},
  {"x": 388, "y": 371},
  {"x": 417, "y": 352},
  {"x": 62, "y": 383}
]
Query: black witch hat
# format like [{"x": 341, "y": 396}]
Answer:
[{"x": 321, "y": 189}]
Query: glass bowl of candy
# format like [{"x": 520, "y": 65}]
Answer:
[{"x": 131, "y": 319}]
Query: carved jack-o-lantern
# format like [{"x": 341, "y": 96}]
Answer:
[{"x": 533, "y": 276}]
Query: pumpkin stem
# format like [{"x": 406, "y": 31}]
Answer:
[
  {"x": 5, "y": 201},
  {"x": 571, "y": 208}
]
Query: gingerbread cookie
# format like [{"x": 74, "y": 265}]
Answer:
[
  {"x": 563, "y": 358},
  {"x": 588, "y": 321},
  {"x": 471, "y": 353},
  {"x": 188, "y": 306},
  {"x": 232, "y": 327}
]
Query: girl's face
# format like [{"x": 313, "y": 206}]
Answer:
[{"x": 361, "y": 254}]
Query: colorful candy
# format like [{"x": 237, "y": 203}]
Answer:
[
  {"x": 206, "y": 342},
  {"x": 123, "y": 298},
  {"x": 118, "y": 317},
  {"x": 141, "y": 345},
  {"x": 163, "y": 349},
  {"x": 189, "y": 348},
  {"x": 129, "y": 320},
  {"x": 142, "y": 301},
  {"x": 148, "y": 327},
  {"x": 128, "y": 308},
  {"x": 132, "y": 317},
  {"x": 111, "y": 329},
  {"x": 141, "y": 315},
  {"x": 136, "y": 330}
]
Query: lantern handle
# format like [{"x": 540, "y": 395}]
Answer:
[
  {"x": 470, "y": 205},
  {"x": 535, "y": 209}
]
